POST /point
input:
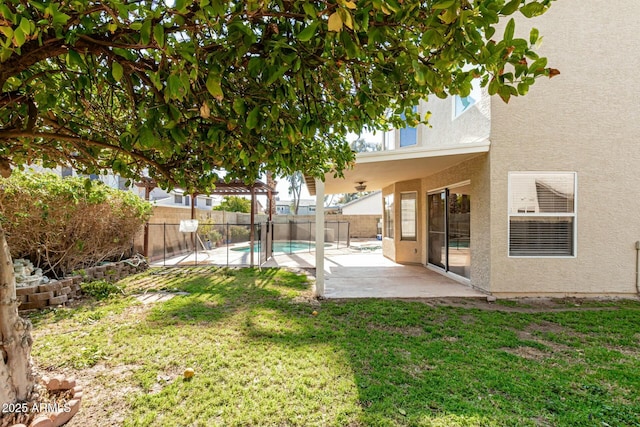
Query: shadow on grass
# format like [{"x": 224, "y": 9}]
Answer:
[{"x": 414, "y": 364}]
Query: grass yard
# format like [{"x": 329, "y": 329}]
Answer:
[{"x": 262, "y": 358}]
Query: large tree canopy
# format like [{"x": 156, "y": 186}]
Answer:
[{"x": 181, "y": 88}]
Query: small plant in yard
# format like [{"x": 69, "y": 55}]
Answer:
[
  {"x": 81, "y": 272},
  {"x": 100, "y": 289},
  {"x": 247, "y": 347}
]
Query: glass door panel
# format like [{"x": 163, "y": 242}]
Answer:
[
  {"x": 449, "y": 230},
  {"x": 437, "y": 254},
  {"x": 459, "y": 232}
]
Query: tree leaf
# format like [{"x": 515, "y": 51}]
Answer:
[
  {"x": 276, "y": 75},
  {"x": 509, "y": 30},
  {"x": 18, "y": 37},
  {"x": 308, "y": 33},
  {"x": 145, "y": 32},
  {"x": 335, "y": 22},
  {"x": 532, "y": 9},
  {"x": 510, "y": 7},
  {"x": 205, "y": 111},
  {"x": 346, "y": 18},
  {"x": 116, "y": 71},
  {"x": 443, "y": 4},
  {"x": 538, "y": 65},
  {"x": 7, "y": 31},
  {"x": 534, "y": 35},
  {"x": 74, "y": 59},
  {"x": 158, "y": 34},
  {"x": 214, "y": 85},
  {"x": 239, "y": 106},
  {"x": 25, "y": 26},
  {"x": 60, "y": 18},
  {"x": 252, "y": 118},
  {"x": 310, "y": 10},
  {"x": 349, "y": 4}
]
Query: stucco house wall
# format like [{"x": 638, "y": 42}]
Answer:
[
  {"x": 586, "y": 120},
  {"x": 476, "y": 172}
]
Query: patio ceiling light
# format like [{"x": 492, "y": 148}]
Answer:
[{"x": 361, "y": 187}]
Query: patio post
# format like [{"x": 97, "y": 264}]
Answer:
[
  {"x": 319, "y": 238},
  {"x": 251, "y": 231}
]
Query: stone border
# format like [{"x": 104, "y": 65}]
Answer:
[
  {"x": 57, "y": 292},
  {"x": 65, "y": 413}
]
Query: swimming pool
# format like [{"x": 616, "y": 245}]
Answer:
[{"x": 286, "y": 247}]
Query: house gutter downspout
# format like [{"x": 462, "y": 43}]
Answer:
[{"x": 638, "y": 267}]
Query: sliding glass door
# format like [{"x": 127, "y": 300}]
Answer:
[
  {"x": 437, "y": 230},
  {"x": 449, "y": 237}
]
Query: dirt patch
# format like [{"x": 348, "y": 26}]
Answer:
[
  {"x": 521, "y": 305},
  {"x": 416, "y": 370},
  {"x": 530, "y": 353},
  {"x": 106, "y": 390},
  {"x": 467, "y": 319},
  {"x": 554, "y": 346},
  {"x": 407, "y": 331},
  {"x": 548, "y": 327}
]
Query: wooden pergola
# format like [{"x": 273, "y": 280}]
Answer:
[{"x": 234, "y": 187}]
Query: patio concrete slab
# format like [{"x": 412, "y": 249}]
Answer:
[
  {"x": 406, "y": 281},
  {"x": 371, "y": 275}
]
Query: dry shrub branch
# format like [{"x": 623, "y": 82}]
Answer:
[{"x": 65, "y": 224}]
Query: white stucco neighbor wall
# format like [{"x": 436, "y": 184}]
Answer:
[{"x": 586, "y": 120}]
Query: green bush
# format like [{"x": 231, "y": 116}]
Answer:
[
  {"x": 238, "y": 233},
  {"x": 66, "y": 224},
  {"x": 100, "y": 289}
]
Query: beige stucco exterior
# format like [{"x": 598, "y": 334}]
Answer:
[{"x": 585, "y": 121}]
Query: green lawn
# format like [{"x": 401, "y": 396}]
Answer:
[{"x": 263, "y": 359}]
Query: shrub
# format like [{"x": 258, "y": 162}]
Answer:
[
  {"x": 238, "y": 233},
  {"x": 67, "y": 224},
  {"x": 210, "y": 232},
  {"x": 100, "y": 289}
]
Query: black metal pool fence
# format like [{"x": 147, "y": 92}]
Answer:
[{"x": 229, "y": 244}]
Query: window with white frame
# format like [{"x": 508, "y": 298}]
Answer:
[
  {"x": 388, "y": 216},
  {"x": 409, "y": 134},
  {"x": 542, "y": 214},
  {"x": 464, "y": 103},
  {"x": 408, "y": 204},
  {"x": 207, "y": 202},
  {"x": 177, "y": 198}
]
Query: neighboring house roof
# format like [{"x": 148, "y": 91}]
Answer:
[{"x": 371, "y": 204}]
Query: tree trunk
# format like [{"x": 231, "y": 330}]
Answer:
[{"x": 16, "y": 377}]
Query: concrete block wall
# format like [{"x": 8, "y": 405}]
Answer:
[{"x": 360, "y": 226}]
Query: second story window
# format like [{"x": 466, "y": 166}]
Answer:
[
  {"x": 462, "y": 104},
  {"x": 409, "y": 135}
]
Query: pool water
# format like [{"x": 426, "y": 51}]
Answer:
[{"x": 286, "y": 247}]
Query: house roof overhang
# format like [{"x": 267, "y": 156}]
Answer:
[{"x": 380, "y": 169}]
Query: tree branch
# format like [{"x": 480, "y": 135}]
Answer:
[{"x": 75, "y": 139}]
